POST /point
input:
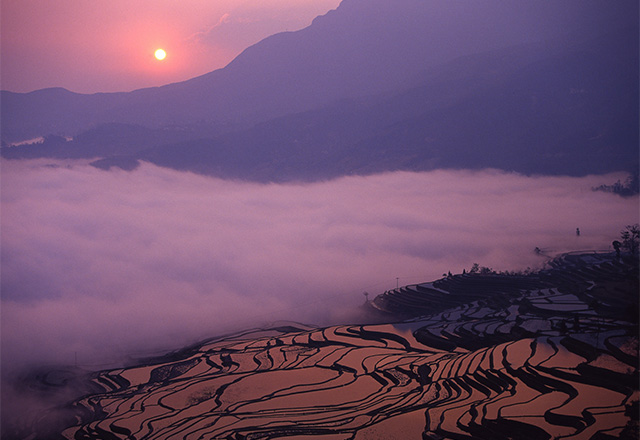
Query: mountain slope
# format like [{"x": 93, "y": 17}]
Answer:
[
  {"x": 568, "y": 111},
  {"x": 363, "y": 47},
  {"x": 483, "y": 356},
  {"x": 535, "y": 108},
  {"x": 377, "y": 88}
]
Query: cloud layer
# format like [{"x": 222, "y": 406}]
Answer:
[{"x": 102, "y": 264}]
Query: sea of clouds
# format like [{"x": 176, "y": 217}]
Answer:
[{"x": 97, "y": 265}]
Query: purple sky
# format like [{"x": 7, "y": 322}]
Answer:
[
  {"x": 107, "y": 263},
  {"x": 108, "y": 45}
]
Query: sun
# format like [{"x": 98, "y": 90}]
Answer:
[{"x": 160, "y": 54}]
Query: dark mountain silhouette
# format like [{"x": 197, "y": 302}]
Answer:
[
  {"x": 544, "y": 87},
  {"x": 572, "y": 112}
]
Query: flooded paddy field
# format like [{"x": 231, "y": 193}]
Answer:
[{"x": 553, "y": 354}]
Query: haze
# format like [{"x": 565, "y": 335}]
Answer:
[
  {"x": 105, "y": 46},
  {"x": 110, "y": 264},
  {"x": 276, "y": 166}
]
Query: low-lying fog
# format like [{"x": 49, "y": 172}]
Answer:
[{"x": 99, "y": 264}]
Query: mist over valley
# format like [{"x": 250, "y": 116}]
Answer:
[
  {"x": 409, "y": 219},
  {"x": 108, "y": 263}
]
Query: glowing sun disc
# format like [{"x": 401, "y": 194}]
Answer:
[{"x": 160, "y": 54}]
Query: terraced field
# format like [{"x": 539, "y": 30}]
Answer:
[{"x": 548, "y": 355}]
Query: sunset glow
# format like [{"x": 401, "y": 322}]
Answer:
[
  {"x": 325, "y": 219},
  {"x": 45, "y": 43}
]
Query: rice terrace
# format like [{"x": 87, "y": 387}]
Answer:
[
  {"x": 319, "y": 220},
  {"x": 538, "y": 355}
]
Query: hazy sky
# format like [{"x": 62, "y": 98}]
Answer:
[
  {"x": 99, "y": 262},
  {"x": 108, "y": 45}
]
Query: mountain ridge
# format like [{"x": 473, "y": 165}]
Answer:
[
  {"x": 358, "y": 49},
  {"x": 566, "y": 105}
]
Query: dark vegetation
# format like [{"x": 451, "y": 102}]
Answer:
[{"x": 630, "y": 187}]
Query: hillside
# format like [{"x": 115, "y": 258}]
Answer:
[
  {"x": 362, "y": 48},
  {"x": 369, "y": 87},
  {"x": 569, "y": 109},
  {"x": 527, "y": 109},
  {"x": 483, "y": 355}
]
